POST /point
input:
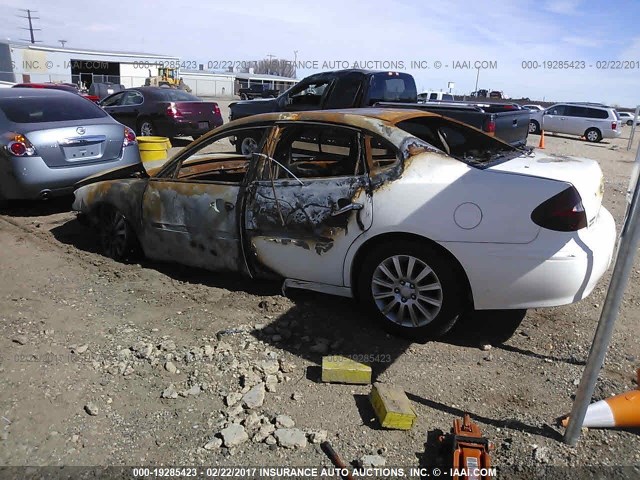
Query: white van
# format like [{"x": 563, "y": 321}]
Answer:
[{"x": 431, "y": 96}]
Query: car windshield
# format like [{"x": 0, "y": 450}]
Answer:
[
  {"x": 49, "y": 109},
  {"x": 171, "y": 95},
  {"x": 461, "y": 142}
]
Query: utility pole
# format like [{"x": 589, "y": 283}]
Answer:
[
  {"x": 62, "y": 42},
  {"x": 477, "y": 77},
  {"x": 30, "y": 19}
]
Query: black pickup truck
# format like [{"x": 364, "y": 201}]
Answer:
[
  {"x": 257, "y": 90},
  {"x": 363, "y": 88}
]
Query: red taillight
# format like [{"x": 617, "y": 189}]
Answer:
[
  {"x": 490, "y": 126},
  {"x": 216, "y": 109},
  {"x": 562, "y": 212},
  {"x": 614, "y": 125},
  {"x": 172, "y": 111},
  {"x": 129, "y": 137},
  {"x": 19, "y": 146}
]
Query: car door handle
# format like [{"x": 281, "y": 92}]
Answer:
[
  {"x": 347, "y": 208},
  {"x": 515, "y": 122},
  {"x": 219, "y": 204}
]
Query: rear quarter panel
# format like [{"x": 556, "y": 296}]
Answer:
[
  {"x": 122, "y": 194},
  {"x": 456, "y": 205}
]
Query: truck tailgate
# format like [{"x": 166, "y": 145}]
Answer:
[{"x": 512, "y": 126}]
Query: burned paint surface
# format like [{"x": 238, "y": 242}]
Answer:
[
  {"x": 199, "y": 223},
  {"x": 125, "y": 195},
  {"x": 192, "y": 223}
]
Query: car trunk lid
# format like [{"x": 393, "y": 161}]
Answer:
[
  {"x": 204, "y": 114},
  {"x": 77, "y": 144},
  {"x": 584, "y": 174}
]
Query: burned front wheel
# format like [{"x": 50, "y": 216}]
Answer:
[
  {"x": 412, "y": 289},
  {"x": 117, "y": 238}
]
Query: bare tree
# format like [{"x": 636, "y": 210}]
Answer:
[{"x": 274, "y": 66}]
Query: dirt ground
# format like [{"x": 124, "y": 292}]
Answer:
[{"x": 104, "y": 363}]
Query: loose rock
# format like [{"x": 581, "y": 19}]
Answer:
[
  {"x": 92, "y": 409},
  {"x": 170, "y": 392},
  {"x": 234, "y": 435},
  {"x": 284, "y": 421},
  {"x": 369, "y": 461},
  {"x": 254, "y": 398},
  {"x": 170, "y": 367},
  {"x": 291, "y": 438},
  {"x": 214, "y": 444}
]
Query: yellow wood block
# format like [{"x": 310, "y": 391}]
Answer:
[
  {"x": 344, "y": 370},
  {"x": 392, "y": 407}
]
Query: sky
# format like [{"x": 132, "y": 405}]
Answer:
[{"x": 507, "y": 36}]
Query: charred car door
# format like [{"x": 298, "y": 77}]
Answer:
[
  {"x": 309, "y": 201},
  {"x": 190, "y": 212}
]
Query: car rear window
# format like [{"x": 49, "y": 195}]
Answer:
[
  {"x": 170, "y": 95},
  {"x": 458, "y": 140},
  {"x": 49, "y": 109},
  {"x": 392, "y": 87}
]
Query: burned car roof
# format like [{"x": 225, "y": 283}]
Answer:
[{"x": 357, "y": 117}]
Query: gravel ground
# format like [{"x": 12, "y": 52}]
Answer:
[{"x": 105, "y": 363}]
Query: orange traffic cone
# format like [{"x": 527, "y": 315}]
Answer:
[
  {"x": 619, "y": 411},
  {"x": 541, "y": 144}
]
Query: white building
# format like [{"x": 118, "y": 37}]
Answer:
[{"x": 23, "y": 62}]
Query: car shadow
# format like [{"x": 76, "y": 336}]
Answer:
[
  {"x": 37, "y": 208},
  {"x": 544, "y": 431}
]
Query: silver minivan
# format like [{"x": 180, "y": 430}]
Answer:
[{"x": 592, "y": 121}]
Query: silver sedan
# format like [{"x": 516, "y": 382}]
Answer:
[{"x": 51, "y": 139}]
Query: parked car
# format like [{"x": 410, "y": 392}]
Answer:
[
  {"x": 534, "y": 108},
  {"x": 167, "y": 112},
  {"x": 627, "y": 118},
  {"x": 363, "y": 88},
  {"x": 417, "y": 215},
  {"x": 67, "y": 87},
  {"x": 431, "y": 96},
  {"x": 258, "y": 90},
  {"x": 51, "y": 139},
  {"x": 592, "y": 121}
]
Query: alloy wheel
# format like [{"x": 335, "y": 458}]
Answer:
[
  {"x": 407, "y": 291},
  {"x": 114, "y": 236}
]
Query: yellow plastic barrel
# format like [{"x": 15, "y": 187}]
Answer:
[{"x": 153, "y": 148}]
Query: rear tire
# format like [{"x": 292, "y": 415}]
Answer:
[
  {"x": 534, "y": 127},
  {"x": 247, "y": 145},
  {"x": 629, "y": 122},
  {"x": 411, "y": 289},
  {"x": 146, "y": 128},
  {"x": 117, "y": 238},
  {"x": 593, "y": 135}
]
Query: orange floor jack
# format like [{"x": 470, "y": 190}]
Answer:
[{"x": 470, "y": 449}]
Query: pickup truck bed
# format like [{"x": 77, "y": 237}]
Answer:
[{"x": 501, "y": 120}]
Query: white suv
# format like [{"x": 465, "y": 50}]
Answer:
[{"x": 592, "y": 121}]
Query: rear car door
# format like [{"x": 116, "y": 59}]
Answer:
[
  {"x": 190, "y": 211},
  {"x": 309, "y": 201}
]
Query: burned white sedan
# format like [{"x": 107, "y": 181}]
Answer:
[{"x": 416, "y": 215}]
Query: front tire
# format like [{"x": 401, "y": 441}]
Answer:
[
  {"x": 593, "y": 135},
  {"x": 534, "y": 127},
  {"x": 117, "y": 238},
  {"x": 629, "y": 122},
  {"x": 411, "y": 289}
]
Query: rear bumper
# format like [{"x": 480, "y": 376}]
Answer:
[
  {"x": 612, "y": 133},
  {"x": 555, "y": 269},
  {"x": 174, "y": 128},
  {"x": 26, "y": 178}
]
